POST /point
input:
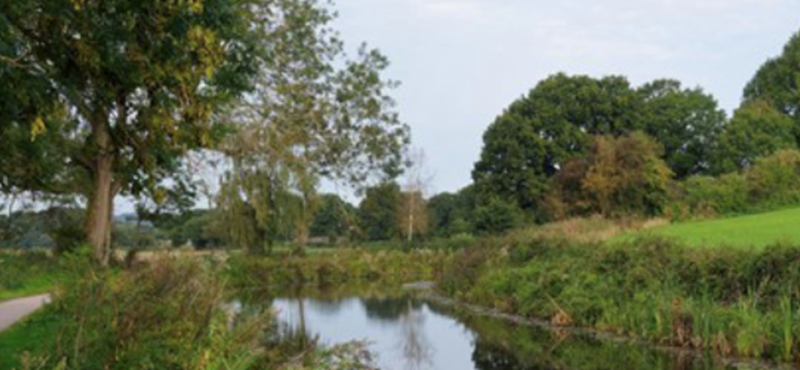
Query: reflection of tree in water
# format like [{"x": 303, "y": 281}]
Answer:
[
  {"x": 296, "y": 334},
  {"x": 406, "y": 312},
  {"x": 417, "y": 349},
  {"x": 488, "y": 356},
  {"x": 503, "y": 346},
  {"x": 389, "y": 310},
  {"x": 327, "y": 307}
]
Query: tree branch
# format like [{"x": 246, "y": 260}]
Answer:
[{"x": 15, "y": 62}]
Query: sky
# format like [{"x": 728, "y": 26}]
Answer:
[{"x": 461, "y": 62}]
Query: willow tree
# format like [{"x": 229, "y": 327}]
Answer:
[
  {"x": 104, "y": 97},
  {"x": 315, "y": 113}
]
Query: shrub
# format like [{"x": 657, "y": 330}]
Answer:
[
  {"x": 166, "y": 315},
  {"x": 711, "y": 196},
  {"x": 496, "y": 216},
  {"x": 775, "y": 180}
]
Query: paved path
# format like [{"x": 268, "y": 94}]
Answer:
[{"x": 15, "y": 310}]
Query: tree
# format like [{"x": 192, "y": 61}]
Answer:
[
  {"x": 756, "y": 130},
  {"x": 620, "y": 175},
  {"x": 776, "y": 81},
  {"x": 414, "y": 210},
  {"x": 269, "y": 214},
  {"x": 496, "y": 216},
  {"x": 118, "y": 91},
  {"x": 685, "y": 121},
  {"x": 379, "y": 210},
  {"x": 413, "y": 215},
  {"x": 333, "y": 218},
  {"x": 627, "y": 175},
  {"x": 449, "y": 214},
  {"x": 314, "y": 114},
  {"x": 556, "y": 121}
]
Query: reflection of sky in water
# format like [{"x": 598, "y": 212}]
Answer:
[
  {"x": 408, "y": 334},
  {"x": 405, "y": 338}
]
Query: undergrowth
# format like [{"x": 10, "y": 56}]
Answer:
[
  {"x": 166, "y": 314},
  {"x": 731, "y": 302},
  {"x": 334, "y": 268}
]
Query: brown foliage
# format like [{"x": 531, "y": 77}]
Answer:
[{"x": 620, "y": 175}]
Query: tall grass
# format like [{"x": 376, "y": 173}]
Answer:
[
  {"x": 731, "y": 302},
  {"x": 166, "y": 314}
]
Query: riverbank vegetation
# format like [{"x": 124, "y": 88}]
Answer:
[
  {"x": 341, "y": 267},
  {"x": 167, "y": 313},
  {"x": 732, "y": 302}
]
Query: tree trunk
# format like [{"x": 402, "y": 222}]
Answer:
[{"x": 100, "y": 209}]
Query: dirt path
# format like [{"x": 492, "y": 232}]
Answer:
[{"x": 15, "y": 310}]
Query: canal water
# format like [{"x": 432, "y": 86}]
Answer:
[{"x": 406, "y": 333}]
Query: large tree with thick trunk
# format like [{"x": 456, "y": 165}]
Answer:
[{"x": 104, "y": 97}]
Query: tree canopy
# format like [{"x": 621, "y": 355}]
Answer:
[
  {"x": 107, "y": 97},
  {"x": 117, "y": 91},
  {"x": 315, "y": 113},
  {"x": 379, "y": 211},
  {"x": 776, "y": 81},
  {"x": 529, "y": 142},
  {"x": 685, "y": 121},
  {"x": 557, "y": 121},
  {"x": 756, "y": 130}
]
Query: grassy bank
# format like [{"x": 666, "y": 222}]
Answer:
[
  {"x": 345, "y": 266},
  {"x": 28, "y": 336},
  {"x": 27, "y": 273},
  {"x": 733, "y": 302},
  {"x": 751, "y": 231},
  {"x": 164, "y": 314}
]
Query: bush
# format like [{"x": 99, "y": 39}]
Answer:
[
  {"x": 775, "y": 180},
  {"x": 496, "y": 217},
  {"x": 709, "y": 196},
  {"x": 772, "y": 182},
  {"x": 166, "y": 315}
]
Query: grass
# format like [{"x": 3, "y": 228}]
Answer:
[
  {"x": 28, "y": 336},
  {"x": 168, "y": 313},
  {"x": 730, "y": 301},
  {"x": 35, "y": 286},
  {"x": 25, "y": 274},
  {"x": 752, "y": 231}
]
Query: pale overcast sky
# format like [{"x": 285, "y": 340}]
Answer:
[{"x": 461, "y": 62}]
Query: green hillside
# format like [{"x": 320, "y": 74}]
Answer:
[{"x": 757, "y": 230}]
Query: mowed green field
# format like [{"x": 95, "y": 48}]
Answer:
[{"x": 751, "y": 231}]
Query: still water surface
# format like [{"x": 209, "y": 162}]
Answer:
[{"x": 409, "y": 333}]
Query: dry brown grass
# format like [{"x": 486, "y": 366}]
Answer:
[
  {"x": 591, "y": 229},
  {"x": 157, "y": 254}
]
